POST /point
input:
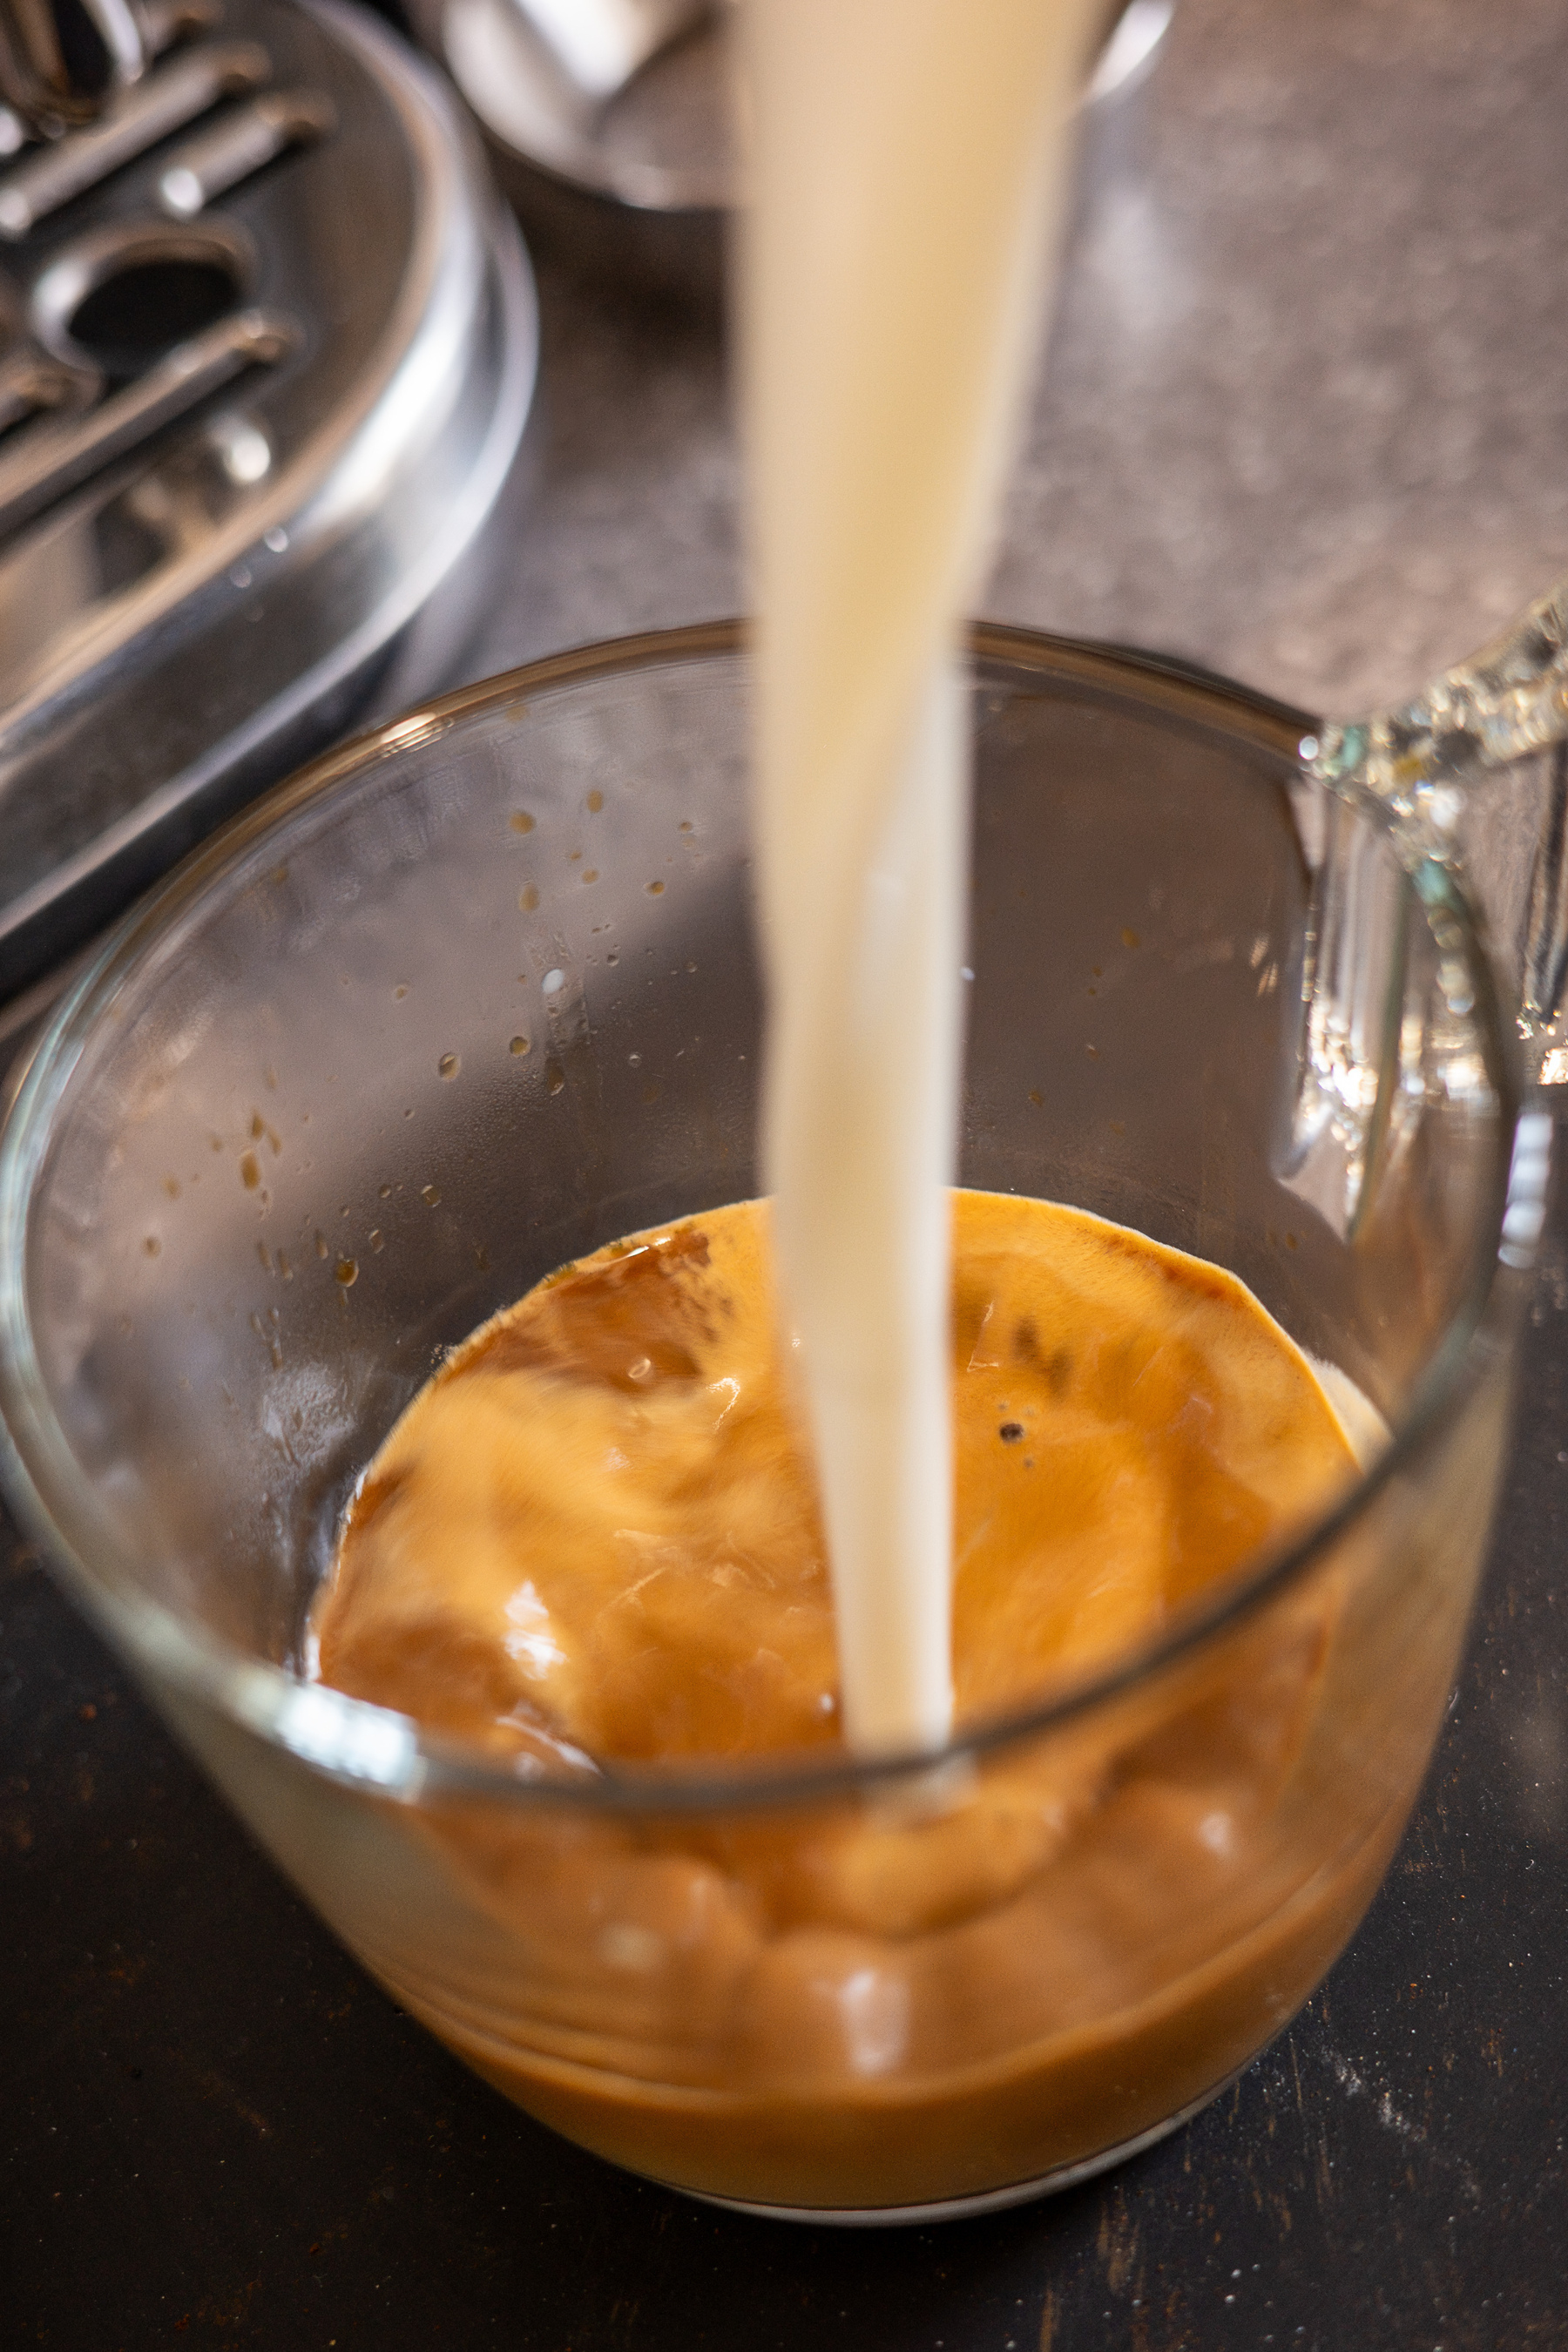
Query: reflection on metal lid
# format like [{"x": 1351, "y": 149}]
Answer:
[{"x": 249, "y": 423}]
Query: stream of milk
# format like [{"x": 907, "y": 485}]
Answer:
[{"x": 908, "y": 166}]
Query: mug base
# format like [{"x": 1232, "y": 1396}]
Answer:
[{"x": 983, "y": 2201}]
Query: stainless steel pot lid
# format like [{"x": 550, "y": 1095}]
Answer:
[{"x": 268, "y": 346}]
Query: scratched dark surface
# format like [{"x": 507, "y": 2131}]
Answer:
[{"x": 214, "y": 2130}]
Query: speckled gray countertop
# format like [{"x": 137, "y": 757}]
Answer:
[
  {"x": 1305, "y": 413},
  {"x": 1303, "y": 420}
]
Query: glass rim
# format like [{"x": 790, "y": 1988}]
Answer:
[{"x": 376, "y": 1748}]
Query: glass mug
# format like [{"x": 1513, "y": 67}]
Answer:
[{"x": 476, "y": 994}]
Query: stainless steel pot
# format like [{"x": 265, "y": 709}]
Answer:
[
  {"x": 632, "y": 185},
  {"x": 268, "y": 345}
]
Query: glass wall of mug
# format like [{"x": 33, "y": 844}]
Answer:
[{"x": 479, "y": 994}]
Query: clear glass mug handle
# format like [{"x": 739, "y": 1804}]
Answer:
[{"x": 1467, "y": 784}]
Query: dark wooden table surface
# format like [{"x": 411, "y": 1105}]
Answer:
[{"x": 1306, "y": 418}]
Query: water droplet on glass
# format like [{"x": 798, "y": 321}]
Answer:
[
  {"x": 450, "y": 1064},
  {"x": 520, "y": 820},
  {"x": 347, "y": 1272},
  {"x": 249, "y": 1170},
  {"x": 518, "y": 1045},
  {"x": 430, "y": 1194}
]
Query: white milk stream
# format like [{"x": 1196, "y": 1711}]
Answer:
[{"x": 908, "y": 167}]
